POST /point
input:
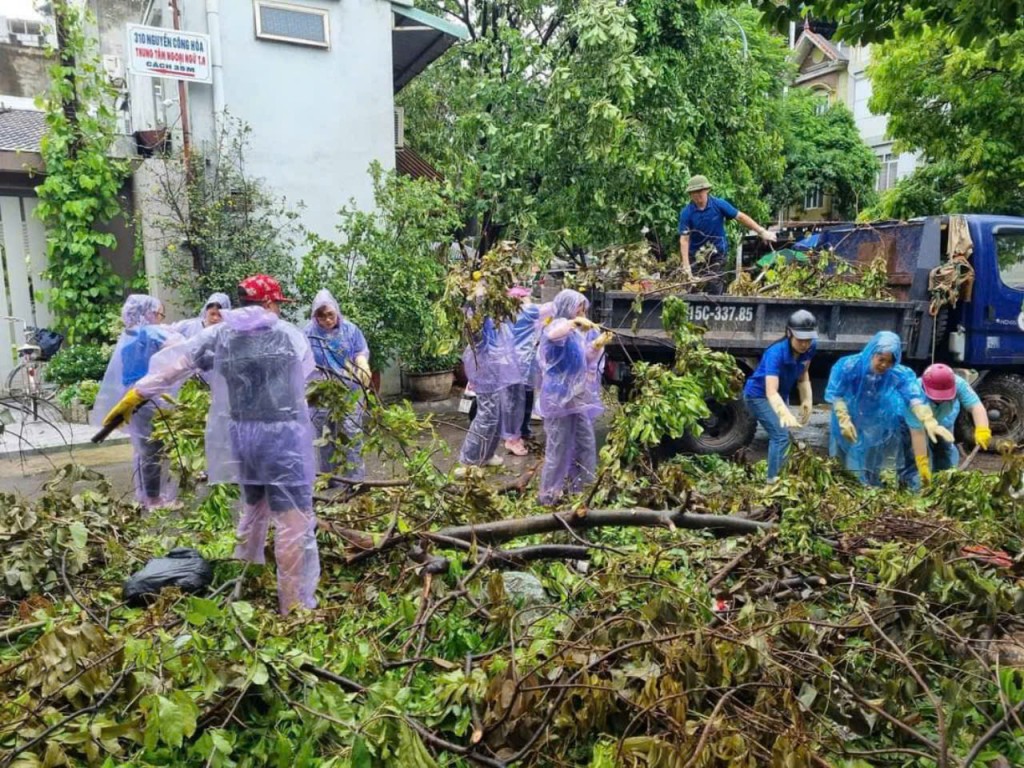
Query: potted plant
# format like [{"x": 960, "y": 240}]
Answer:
[
  {"x": 429, "y": 376},
  {"x": 76, "y": 400}
]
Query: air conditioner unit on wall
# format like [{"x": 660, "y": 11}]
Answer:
[{"x": 399, "y": 127}]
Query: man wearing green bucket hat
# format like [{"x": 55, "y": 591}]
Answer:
[{"x": 702, "y": 233}]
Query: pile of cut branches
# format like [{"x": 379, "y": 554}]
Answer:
[
  {"x": 817, "y": 274},
  {"x": 699, "y": 617}
]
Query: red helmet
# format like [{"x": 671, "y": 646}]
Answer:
[
  {"x": 260, "y": 288},
  {"x": 939, "y": 382}
]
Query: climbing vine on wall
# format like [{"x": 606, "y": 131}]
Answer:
[{"x": 80, "y": 190}]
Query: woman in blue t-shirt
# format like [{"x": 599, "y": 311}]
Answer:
[{"x": 766, "y": 392}]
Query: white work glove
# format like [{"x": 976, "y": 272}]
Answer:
[
  {"x": 806, "y": 402},
  {"x": 932, "y": 427},
  {"x": 786, "y": 419},
  {"x": 767, "y": 235}
]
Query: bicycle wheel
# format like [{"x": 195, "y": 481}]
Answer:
[{"x": 19, "y": 382}]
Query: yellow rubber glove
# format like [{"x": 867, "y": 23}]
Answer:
[
  {"x": 924, "y": 468},
  {"x": 806, "y": 402},
  {"x": 982, "y": 436},
  {"x": 931, "y": 426},
  {"x": 786, "y": 418},
  {"x": 601, "y": 341},
  {"x": 846, "y": 428},
  {"x": 125, "y": 407}
]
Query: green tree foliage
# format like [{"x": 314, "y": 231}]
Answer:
[
  {"x": 82, "y": 183},
  {"x": 963, "y": 108},
  {"x": 388, "y": 267},
  {"x": 872, "y": 21},
  {"x": 220, "y": 224},
  {"x": 823, "y": 149},
  {"x": 578, "y": 124}
]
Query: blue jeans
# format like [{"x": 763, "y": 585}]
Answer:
[
  {"x": 943, "y": 456},
  {"x": 778, "y": 436}
]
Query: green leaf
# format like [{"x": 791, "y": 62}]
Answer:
[
  {"x": 361, "y": 757},
  {"x": 79, "y": 534},
  {"x": 243, "y": 611},
  {"x": 200, "y": 610}
]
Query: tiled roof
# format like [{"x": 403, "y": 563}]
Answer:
[
  {"x": 826, "y": 46},
  {"x": 21, "y": 129},
  {"x": 408, "y": 163}
]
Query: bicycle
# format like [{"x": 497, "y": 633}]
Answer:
[{"x": 25, "y": 383}]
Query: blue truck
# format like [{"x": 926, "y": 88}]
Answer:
[{"x": 983, "y": 332}]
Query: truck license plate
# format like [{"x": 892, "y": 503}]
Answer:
[{"x": 718, "y": 315}]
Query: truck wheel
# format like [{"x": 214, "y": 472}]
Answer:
[
  {"x": 729, "y": 428},
  {"x": 1003, "y": 397}
]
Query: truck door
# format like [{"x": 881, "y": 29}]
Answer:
[{"x": 995, "y": 315}]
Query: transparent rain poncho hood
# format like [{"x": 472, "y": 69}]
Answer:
[
  {"x": 566, "y": 364},
  {"x": 875, "y": 401},
  {"x": 192, "y": 326},
  {"x": 340, "y": 346}
]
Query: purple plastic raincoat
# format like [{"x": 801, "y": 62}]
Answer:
[
  {"x": 568, "y": 401},
  {"x": 258, "y": 434},
  {"x": 141, "y": 339},
  {"x": 192, "y": 326},
  {"x": 335, "y": 352}
]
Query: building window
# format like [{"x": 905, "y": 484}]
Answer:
[
  {"x": 886, "y": 172},
  {"x": 1010, "y": 257},
  {"x": 292, "y": 24},
  {"x": 814, "y": 199}
]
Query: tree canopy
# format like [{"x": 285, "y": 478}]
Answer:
[
  {"x": 578, "y": 124},
  {"x": 962, "y": 107},
  {"x": 823, "y": 150}
]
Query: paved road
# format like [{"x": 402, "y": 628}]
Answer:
[{"x": 26, "y": 473}]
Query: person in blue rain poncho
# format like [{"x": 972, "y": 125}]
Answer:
[
  {"x": 340, "y": 350},
  {"x": 517, "y": 399},
  {"x": 569, "y": 401},
  {"x": 868, "y": 392},
  {"x": 144, "y": 335}
]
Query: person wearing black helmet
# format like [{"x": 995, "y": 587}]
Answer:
[{"x": 766, "y": 393}]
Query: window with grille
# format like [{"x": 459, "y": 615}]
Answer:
[
  {"x": 288, "y": 23},
  {"x": 886, "y": 172},
  {"x": 814, "y": 199}
]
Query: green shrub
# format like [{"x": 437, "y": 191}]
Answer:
[
  {"x": 83, "y": 392},
  {"x": 78, "y": 362}
]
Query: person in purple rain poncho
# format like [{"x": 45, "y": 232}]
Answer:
[
  {"x": 258, "y": 432},
  {"x": 143, "y": 336},
  {"x": 491, "y": 366},
  {"x": 517, "y": 399},
  {"x": 340, "y": 350},
  {"x": 568, "y": 400},
  {"x": 210, "y": 315}
]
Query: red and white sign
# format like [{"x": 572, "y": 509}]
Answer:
[{"x": 158, "y": 52}]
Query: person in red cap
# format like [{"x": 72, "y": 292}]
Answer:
[
  {"x": 947, "y": 393},
  {"x": 258, "y": 432}
]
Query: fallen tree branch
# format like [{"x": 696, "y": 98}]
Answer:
[{"x": 505, "y": 530}]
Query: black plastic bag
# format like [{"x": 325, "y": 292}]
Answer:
[
  {"x": 183, "y": 568},
  {"x": 49, "y": 342}
]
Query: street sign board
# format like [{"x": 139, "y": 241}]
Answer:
[{"x": 159, "y": 52}]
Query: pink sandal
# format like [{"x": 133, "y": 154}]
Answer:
[{"x": 516, "y": 447}]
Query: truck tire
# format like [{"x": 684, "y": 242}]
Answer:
[
  {"x": 730, "y": 428},
  {"x": 1003, "y": 397}
]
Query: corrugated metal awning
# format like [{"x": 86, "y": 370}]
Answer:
[{"x": 417, "y": 39}]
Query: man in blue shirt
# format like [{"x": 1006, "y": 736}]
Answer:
[
  {"x": 766, "y": 393},
  {"x": 702, "y": 226}
]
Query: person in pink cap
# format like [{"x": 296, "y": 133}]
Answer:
[
  {"x": 258, "y": 432},
  {"x": 947, "y": 394}
]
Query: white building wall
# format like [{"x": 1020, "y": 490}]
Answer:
[{"x": 319, "y": 117}]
